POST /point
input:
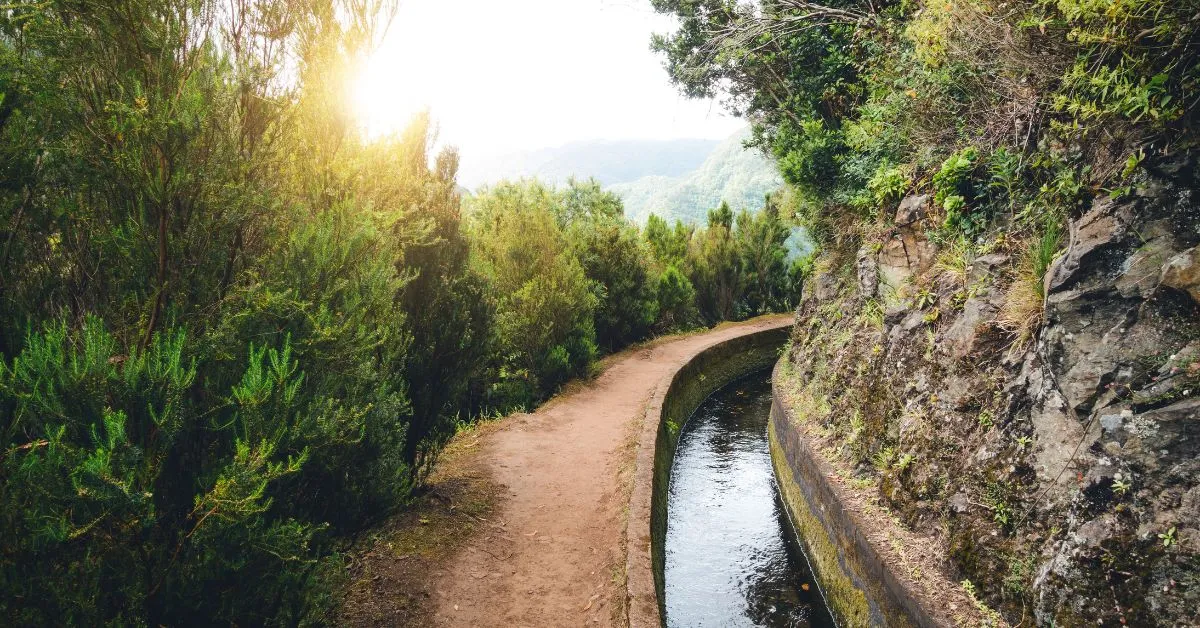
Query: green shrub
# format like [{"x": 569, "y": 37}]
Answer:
[
  {"x": 809, "y": 155},
  {"x": 213, "y": 317},
  {"x": 545, "y": 303},
  {"x": 954, "y": 177},
  {"x": 676, "y": 301},
  {"x": 127, "y": 500},
  {"x": 887, "y": 185},
  {"x": 616, "y": 260},
  {"x": 1136, "y": 59},
  {"x": 1005, "y": 169}
]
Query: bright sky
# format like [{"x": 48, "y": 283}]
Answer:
[{"x": 500, "y": 76}]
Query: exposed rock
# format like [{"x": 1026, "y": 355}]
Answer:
[
  {"x": 1182, "y": 272},
  {"x": 868, "y": 274},
  {"x": 827, "y": 286},
  {"x": 1086, "y": 441},
  {"x": 1096, "y": 242},
  {"x": 1111, "y": 422},
  {"x": 911, "y": 209},
  {"x": 985, "y": 266},
  {"x": 970, "y": 330},
  {"x": 957, "y": 392},
  {"x": 1118, "y": 344},
  {"x": 906, "y": 253},
  {"x": 1061, "y": 440}
]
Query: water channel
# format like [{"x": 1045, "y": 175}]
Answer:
[{"x": 731, "y": 556}]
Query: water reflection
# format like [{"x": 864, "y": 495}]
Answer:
[{"x": 730, "y": 558}]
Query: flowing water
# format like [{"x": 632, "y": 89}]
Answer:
[{"x": 731, "y": 556}]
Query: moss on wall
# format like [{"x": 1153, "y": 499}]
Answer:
[
  {"x": 859, "y": 586},
  {"x": 846, "y": 600}
]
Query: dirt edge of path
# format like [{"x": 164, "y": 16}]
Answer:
[{"x": 388, "y": 568}]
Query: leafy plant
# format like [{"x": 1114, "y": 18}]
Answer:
[
  {"x": 1005, "y": 167},
  {"x": 887, "y": 185},
  {"x": 884, "y": 459},
  {"x": 924, "y": 298},
  {"x": 953, "y": 179}
]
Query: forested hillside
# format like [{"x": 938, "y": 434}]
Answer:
[
  {"x": 609, "y": 162},
  {"x": 234, "y": 332},
  {"x": 998, "y": 348},
  {"x": 731, "y": 174}
]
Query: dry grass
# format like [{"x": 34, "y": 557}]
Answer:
[
  {"x": 1025, "y": 300},
  {"x": 1021, "y": 313},
  {"x": 1010, "y": 68}
]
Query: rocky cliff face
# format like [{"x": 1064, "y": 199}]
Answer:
[{"x": 1058, "y": 471}]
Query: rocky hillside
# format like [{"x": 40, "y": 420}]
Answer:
[{"x": 1053, "y": 460}]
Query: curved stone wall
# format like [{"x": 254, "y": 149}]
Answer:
[
  {"x": 675, "y": 399},
  {"x": 860, "y": 589}
]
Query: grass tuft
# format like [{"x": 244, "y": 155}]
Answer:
[{"x": 1024, "y": 302}]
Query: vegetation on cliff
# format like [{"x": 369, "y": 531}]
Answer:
[{"x": 1001, "y": 330}]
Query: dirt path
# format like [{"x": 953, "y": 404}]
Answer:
[{"x": 550, "y": 552}]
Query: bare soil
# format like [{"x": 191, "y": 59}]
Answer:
[{"x": 523, "y": 524}]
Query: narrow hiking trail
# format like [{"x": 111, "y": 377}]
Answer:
[{"x": 551, "y": 552}]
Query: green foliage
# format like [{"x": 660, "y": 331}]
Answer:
[
  {"x": 93, "y": 441},
  {"x": 810, "y": 156},
  {"x": 222, "y": 342},
  {"x": 954, "y": 177},
  {"x": 545, "y": 305},
  {"x": 1136, "y": 59},
  {"x": 1045, "y": 248},
  {"x": 736, "y": 266},
  {"x": 676, "y": 300},
  {"x": 1005, "y": 169},
  {"x": 884, "y": 459},
  {"x": 714, "y": 267},
  {"x": 668, "y": 244},
  {"x": 887, "y": 185},
  {"x": 760, "y": 242},
  {"x": 615, "y": 260}
]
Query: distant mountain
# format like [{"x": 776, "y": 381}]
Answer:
[
  {"x": 742, "y": 177},
  {"x": 608, "y": 162}
]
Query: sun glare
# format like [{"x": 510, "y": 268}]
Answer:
[{"x": 384, "y": 102}]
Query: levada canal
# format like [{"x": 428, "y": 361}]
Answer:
[{"x": 731, "y": 556}]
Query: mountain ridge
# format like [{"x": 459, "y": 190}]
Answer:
[
  {"x": 731, "y": 173},
  {"x": 608, "y": 161}
]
